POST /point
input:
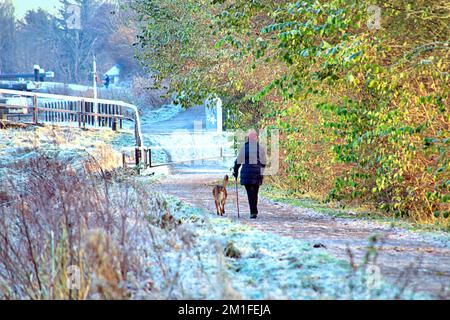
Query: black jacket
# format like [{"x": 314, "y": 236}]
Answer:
[{"x": 252, "y": 157}]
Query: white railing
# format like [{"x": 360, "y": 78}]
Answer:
[{"x": 86, "y": 112}]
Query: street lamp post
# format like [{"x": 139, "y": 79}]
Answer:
[{"x": 95, "y": 90}]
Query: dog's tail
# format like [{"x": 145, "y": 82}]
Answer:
[{"x": 225, "y": 181}]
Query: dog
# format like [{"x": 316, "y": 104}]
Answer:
[
  {"x": 4, "y": 197},
  {"x": 220, "y": 196}
]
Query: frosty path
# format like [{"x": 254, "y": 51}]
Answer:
[
  {"x": 182, "y": 121},
  {"x": 406, "y": 258}
]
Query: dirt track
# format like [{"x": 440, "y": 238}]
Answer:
[{"x": 406, "y": 258}]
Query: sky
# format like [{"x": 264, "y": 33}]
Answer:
[{"x": 22, "y": 6}]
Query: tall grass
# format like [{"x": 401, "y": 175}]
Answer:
[{"x": 62, "y": 217}]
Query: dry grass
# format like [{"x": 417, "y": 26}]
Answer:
[
  {"x": 103, "y": 157},
  {"x": 63, "y": 217}
]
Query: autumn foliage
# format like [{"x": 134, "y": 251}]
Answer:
[{"x": 359, "y": 92}]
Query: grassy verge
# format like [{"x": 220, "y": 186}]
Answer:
[
  {"x": 260, "y": 265},
  {"x": 129, "y": 242}
]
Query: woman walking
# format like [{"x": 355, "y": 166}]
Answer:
[{"x": 252, "y": 157}]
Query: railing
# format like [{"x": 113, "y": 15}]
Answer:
[
  {"x": 59, "y": 109},
  {"x": 144, "y": 157}
]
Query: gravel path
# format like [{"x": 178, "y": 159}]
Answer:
[
  {"x": 405, "y": 258},
  {"x": 419, "y": 261}
]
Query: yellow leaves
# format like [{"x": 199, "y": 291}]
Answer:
[
  {"x": 372, "y": 84},
  {"x": 238, "y": 85},
  {"x": 291, "y": 110},
  {"x": 421, "y": 86},
  {"x": 353, "y": 80}
]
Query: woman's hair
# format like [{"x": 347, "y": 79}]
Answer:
[{"x": 252, "y": 135}]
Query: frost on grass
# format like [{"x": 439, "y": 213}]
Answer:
[
  {"x": 270, "y": 266},
  {"x": 66, "y": 144},
  {"x": 162, "y": 114},
  {"x": 131, "y": 243},
  {"x": 149, "y": 117}
]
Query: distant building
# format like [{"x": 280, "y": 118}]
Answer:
[{"x": 114, "y": 74}]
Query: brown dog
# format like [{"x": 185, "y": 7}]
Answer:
[
  {"x": 220, "y": 196},
  {"x": 4, "y": 197}
]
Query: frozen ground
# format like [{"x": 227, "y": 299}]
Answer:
[
  {"x": 415, "y": 260},
  {"x": 231, "y": 260},
  {"x": 289, "y": 252},
  {"x": 64, "y": 143}
]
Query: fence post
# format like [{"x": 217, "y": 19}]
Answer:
[
  {"x": 35, "y": 110},
  {"x": 136, "y": 131},
  {"x": 114, "y": 124},
  {"x": 149, "y": 158},
  {"x": 124, "y": 160},
  {"x": 83, "y": 111},
  {"x": 79, "y": 113},
  {"x": 145, "y": 158},
  {"x": 121, "y": 113},
  {"x": 138, "y": 155}
]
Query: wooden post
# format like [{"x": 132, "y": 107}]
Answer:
[
  {"x": 138, "y": 155},
  {"x": 124, "y": 160},
  {"x": 136, "y": 133},
  {"x": 114, "y": 124},
  {"x": 79, "y": 113},
  {"x": 36, "y": 72},
  {"x": 114, "y": 120},
  {"x": 63, "y": 107},
  {"x": 149, "y": 158},
  {"x": 83, "y": 112},
  {"x": 109, "y": 121},
  {"x": 35, "y": 110},
  {"x": 121, "y": 113},
  {"x": 145, "y": 158}
]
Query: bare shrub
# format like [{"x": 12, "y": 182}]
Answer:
[
  {"x": 144, "y": 87},
  {"x": 103, "y": 157},
  {"x": 123, "y": 238}
]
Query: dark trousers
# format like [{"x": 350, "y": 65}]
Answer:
[{"x": 252, "y": 193}]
